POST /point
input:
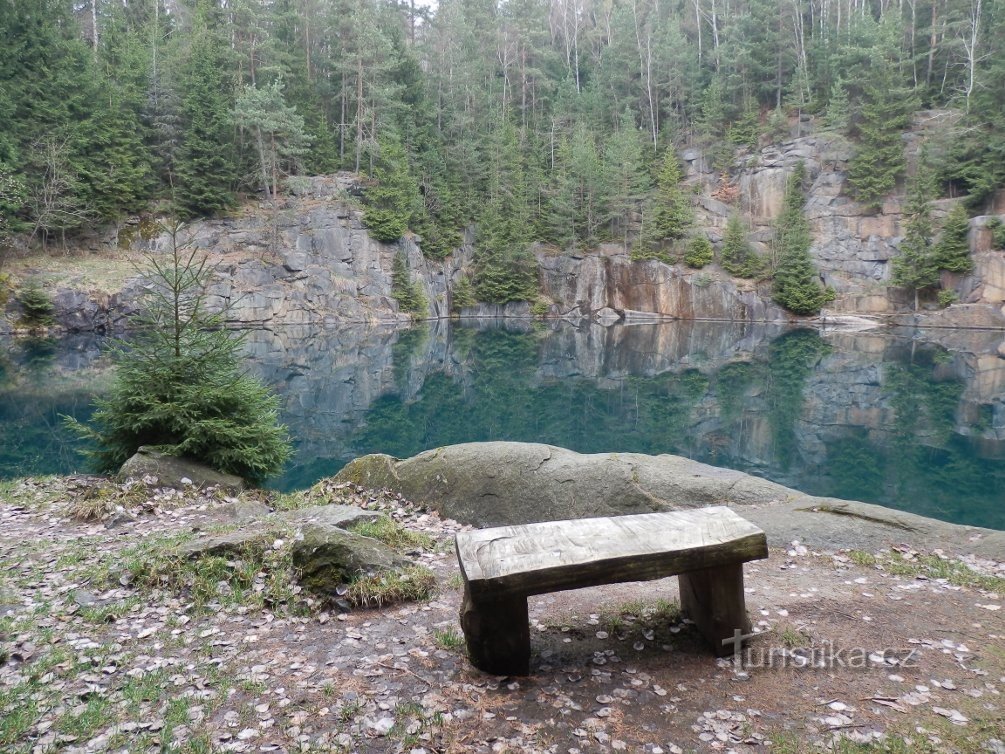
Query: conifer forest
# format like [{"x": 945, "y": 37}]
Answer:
[{"x": 552, "y": 121}]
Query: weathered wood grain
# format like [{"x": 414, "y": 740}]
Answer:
[
  {"x": 557, "y": 555},
  {"x": 503, "y": 566},
  {"x": 713, "y": 599}
]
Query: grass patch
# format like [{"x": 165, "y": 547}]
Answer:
[
  {"x": 658, "y": 610},
  {"x": 98, "y": 501},
  {"x": 792, "y": 637},
  {"x": 253, "y": 577},
  {"x": 86, "y": 720},
  {"x": 862, "y": 558},
  {"x": 412, "y": 584},
  {"x": 393, "y": 534},
  {"x": 18, "y": 712},
  {"x": 448, "y": 639},
  {"x": 934, "y": 567},
  {"x": 110, "y": 611}
]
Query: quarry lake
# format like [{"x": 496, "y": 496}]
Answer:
[{"x": 907, "y": 420}]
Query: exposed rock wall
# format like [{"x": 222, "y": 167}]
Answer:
[{"x": 308, "y": 259}]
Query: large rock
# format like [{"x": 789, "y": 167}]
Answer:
[
  {"x": 497, "y": 483},
  {"x": 179, "y": 473},
  {"x": 500, "y": 483}
]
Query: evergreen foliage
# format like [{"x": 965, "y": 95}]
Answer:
[
  {"x": 673, "y": 214},
  {"x": 36, "y": 304},
  {"x": 996, "y": 226},
  {"x": 885, "y": 112},
  {"x": 200, "y": 100},
  {"x": 737, "y": 257},
  {"x": 916, "y": 267},
  {"x": 463, "y": 294},
  {"x": 952, "y": 252},
  {"x": 699, "y": 252},
  {"x": 392, "y": 200},
  {"x": 406, "y": 292},
  {"x": 278, "y": 129},
  {"x": 206, "y": 165},
  {"x": 179, "y": 384},
  {"x": 796, "y": 284}
]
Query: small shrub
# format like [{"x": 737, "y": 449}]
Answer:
[
  {"x": 37, "y": 305},
  {"x": 995, "y": 225},
  {"x": 540, "y": 307},
  {"x": 180, "y": 383},
  {"x": 463, "y": 294},
  {"x": 699, "y": 252},
  {"x": 5, "y": 289},
  {"x": 643, "y": 252},
  {"x": 948, "y": 297}
]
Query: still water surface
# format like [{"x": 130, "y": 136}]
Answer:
[{"x": 883, "y": 417}]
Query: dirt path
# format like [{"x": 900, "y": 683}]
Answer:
[{"x": 909, "y": 663}]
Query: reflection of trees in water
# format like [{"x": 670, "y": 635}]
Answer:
[
  {"x": 767, "y": 405},
  {"x": 499, "y": 394},
  {"x": 792, "y": 358}
]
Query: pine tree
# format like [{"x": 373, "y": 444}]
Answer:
[
  {"x": 795, "y": 285},
  {"x": 278, "y": 129},
  {"x": 879, "y": 160},
  {"x": 673, "y": 214},
  {"x": 699, "y": 252},
  {"x": 952, "y": 252},
  {"x": 393, "y": 199},
  {"x": 408, "y": 294},
  {"x": 624, "y": 166},
  {"x": 179, "y": 383},
  {"x": 915, "y": 267},
  {"x": 737, "y": 257},
  {"x": 838, "y": 109},
  {"x": 206, "y": 166},
  {"x": 504, "y": 267}
]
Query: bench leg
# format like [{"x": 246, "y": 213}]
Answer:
[
  {"x": 713, "y": 599},
  {"x": 497, "y": 633}
]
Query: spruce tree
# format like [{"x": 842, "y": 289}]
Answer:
[
  {"x": 394, "y": 197},
  {"x": 699, "y": 252},
  {"x": 408, "y": 294},
  {"x": 952, "y": 252},
  {"x": 879, "y": 160},
  {"x": 206, "y": 164},
  {"x": 915, "y": 267},
  {"x": 179, "y": 383},
  {"x": 796, "y": 286},
  {"x": 673, "y": 214},
  {"x": 737, "y": 257}
]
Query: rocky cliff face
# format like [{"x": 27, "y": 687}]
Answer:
[{"x": 308, "y": 259}]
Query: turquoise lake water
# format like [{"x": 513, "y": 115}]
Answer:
[{"x": 910, "y": 422}]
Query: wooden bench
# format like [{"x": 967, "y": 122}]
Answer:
[{"x": 501, "y": 567}]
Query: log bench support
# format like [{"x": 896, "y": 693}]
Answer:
[{"x": 504, "y": 566}]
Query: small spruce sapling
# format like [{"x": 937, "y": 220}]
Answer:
[{"x": 180, "y": 385}]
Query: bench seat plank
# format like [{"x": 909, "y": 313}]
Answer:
[{"x": 556, "y": 555}]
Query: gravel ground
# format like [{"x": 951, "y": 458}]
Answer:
[{"x": 894, "y": 650}]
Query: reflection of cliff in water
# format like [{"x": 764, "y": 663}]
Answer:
[
  {"x": 875, "y": 416},
  {"x": 881, "y": 417}
]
